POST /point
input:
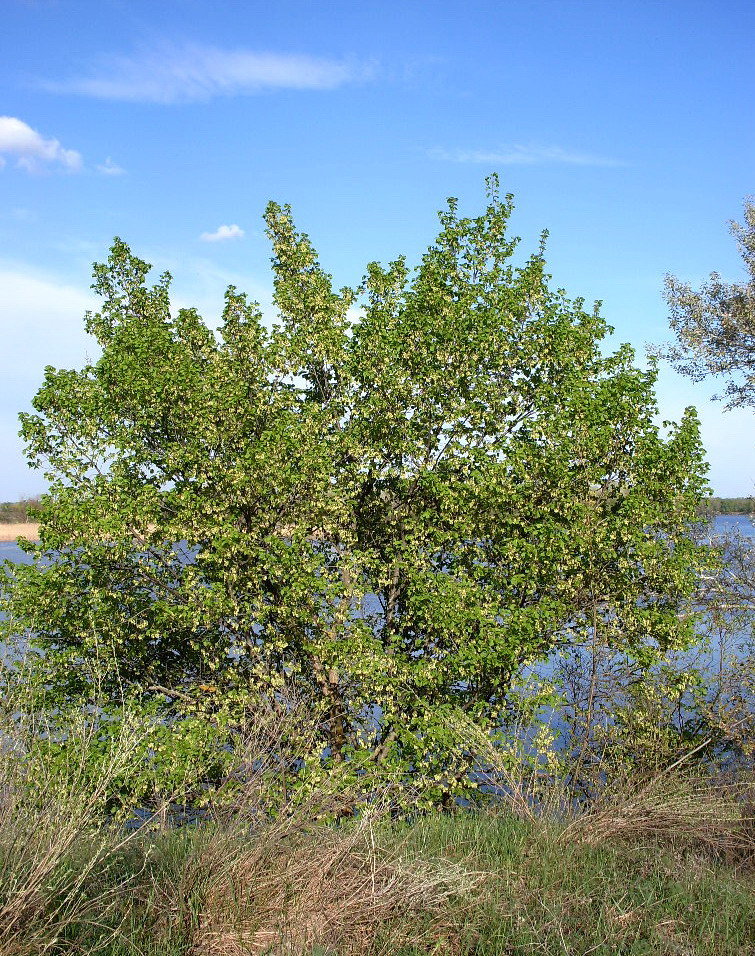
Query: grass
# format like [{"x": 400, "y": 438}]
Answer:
[
  {"x": 658, "y": 865},
  {"x": 469, "y": 882},
  {"x": 547, "y": 894}
]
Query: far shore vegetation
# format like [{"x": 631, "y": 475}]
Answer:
[
  {"x": 18, "y": 519},
  {"x": 729, "y": 506},
  {"x": 18, "y": 512}
]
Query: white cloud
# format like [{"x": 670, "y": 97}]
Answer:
[
  {"x": 31, "y": 150},
  {"x": 109, "y": 168},
  {"x": 222, "y": 233},
  {"x": 519, "y": 155},
  {"x": 197, "y": 72}
]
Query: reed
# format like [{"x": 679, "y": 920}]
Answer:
[{"x": 19, "y": 529}]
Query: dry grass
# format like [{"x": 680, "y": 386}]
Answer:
[
  {"x": 55, "y": 850},
  {"x": 287, "y": 879},
  {"x": 286, "y": 892},
  {"x": 272, "y": 877},
  {"x": 259, "y": 876},
  {"x": 19, "y": 529},
  {"x": 676, "y": 810},
  {"x": 279, "y": 872},
  {"x": 265, "y": 877}
]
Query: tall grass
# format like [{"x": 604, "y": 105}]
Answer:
[
  {"x": 657, "y": 863},
  {"x": 252, "y": 875},
  {"x": 55, "y": 849}
]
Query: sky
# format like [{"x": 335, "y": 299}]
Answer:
[{"x": 621, "y": 126}]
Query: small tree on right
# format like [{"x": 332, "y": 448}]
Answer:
[
  {"x": 715, "y": 325},
  {"x": 715, "y": 337}
]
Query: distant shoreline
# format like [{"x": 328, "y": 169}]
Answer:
[{"x": 19, "y": 529}]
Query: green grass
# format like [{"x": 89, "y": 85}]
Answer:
[
  {"x": 661, "y": 864},
  {"x": 523, "y": 887},
  {"x": 548, "y": 895}
]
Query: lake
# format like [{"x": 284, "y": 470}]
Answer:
[
  {"x": 704, "y": 656},
  {"x": 723, "y": 524},
  {"x": 10, "y": 551}
]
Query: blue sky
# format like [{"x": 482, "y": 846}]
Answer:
[{"x": 622, "y": 126}]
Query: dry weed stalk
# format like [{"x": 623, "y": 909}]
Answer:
[
  {"x": 276, "y": 874},
  {"x": 674, "y": 807},
  {"x": 521, "y": 773}
]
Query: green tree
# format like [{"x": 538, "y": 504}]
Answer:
[
  {"x": 715, "y": 326},
  {"x": 388, "y": 515},
  {"x": 12, "y": 512}
]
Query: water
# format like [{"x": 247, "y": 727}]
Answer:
[
  {"x": 724, "y": 524},
  {"x": 703, "y": 657},
  {"x": 10, "y": 551}
]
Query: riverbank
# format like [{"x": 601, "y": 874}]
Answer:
[
  {"x": 473, "y": 882},
  {"x": 19, "y": 529}
]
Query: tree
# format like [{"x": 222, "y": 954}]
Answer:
[
  {"x": 715, "y": 326},
  {"x": 715, "y": 336},
  {"x": 388, "y": 515},
  {"x": 12, "y": 512}
]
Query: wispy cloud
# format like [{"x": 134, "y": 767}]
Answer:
[
  {"x": 41, "y": 323},
  {"x": 195, "y": 72},
  {"x": 34, "y": 308},
  {"x": 519, "y": 155},
  {"x": 30, "y": 149},
  {"x": 109, "y": 168},
  {"x": 222, "y": 233}
]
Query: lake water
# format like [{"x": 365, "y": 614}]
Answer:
[
  {"x": 10, "y": 551},
  {"x": 703, "y": 657},
  {"x": 722, "y": 524}
]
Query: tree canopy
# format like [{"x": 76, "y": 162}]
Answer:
[
  {"x": 715, "y": 325},
  {"x": 387, "y": 501}
]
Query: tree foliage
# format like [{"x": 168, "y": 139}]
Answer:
[
  {"x": 715, "y": 326},
  {"x": 385, "y": 503}
]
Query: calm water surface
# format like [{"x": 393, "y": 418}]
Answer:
[
  {"x": 10, "y": 551},
  {"x": 722, "y": 524}
]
